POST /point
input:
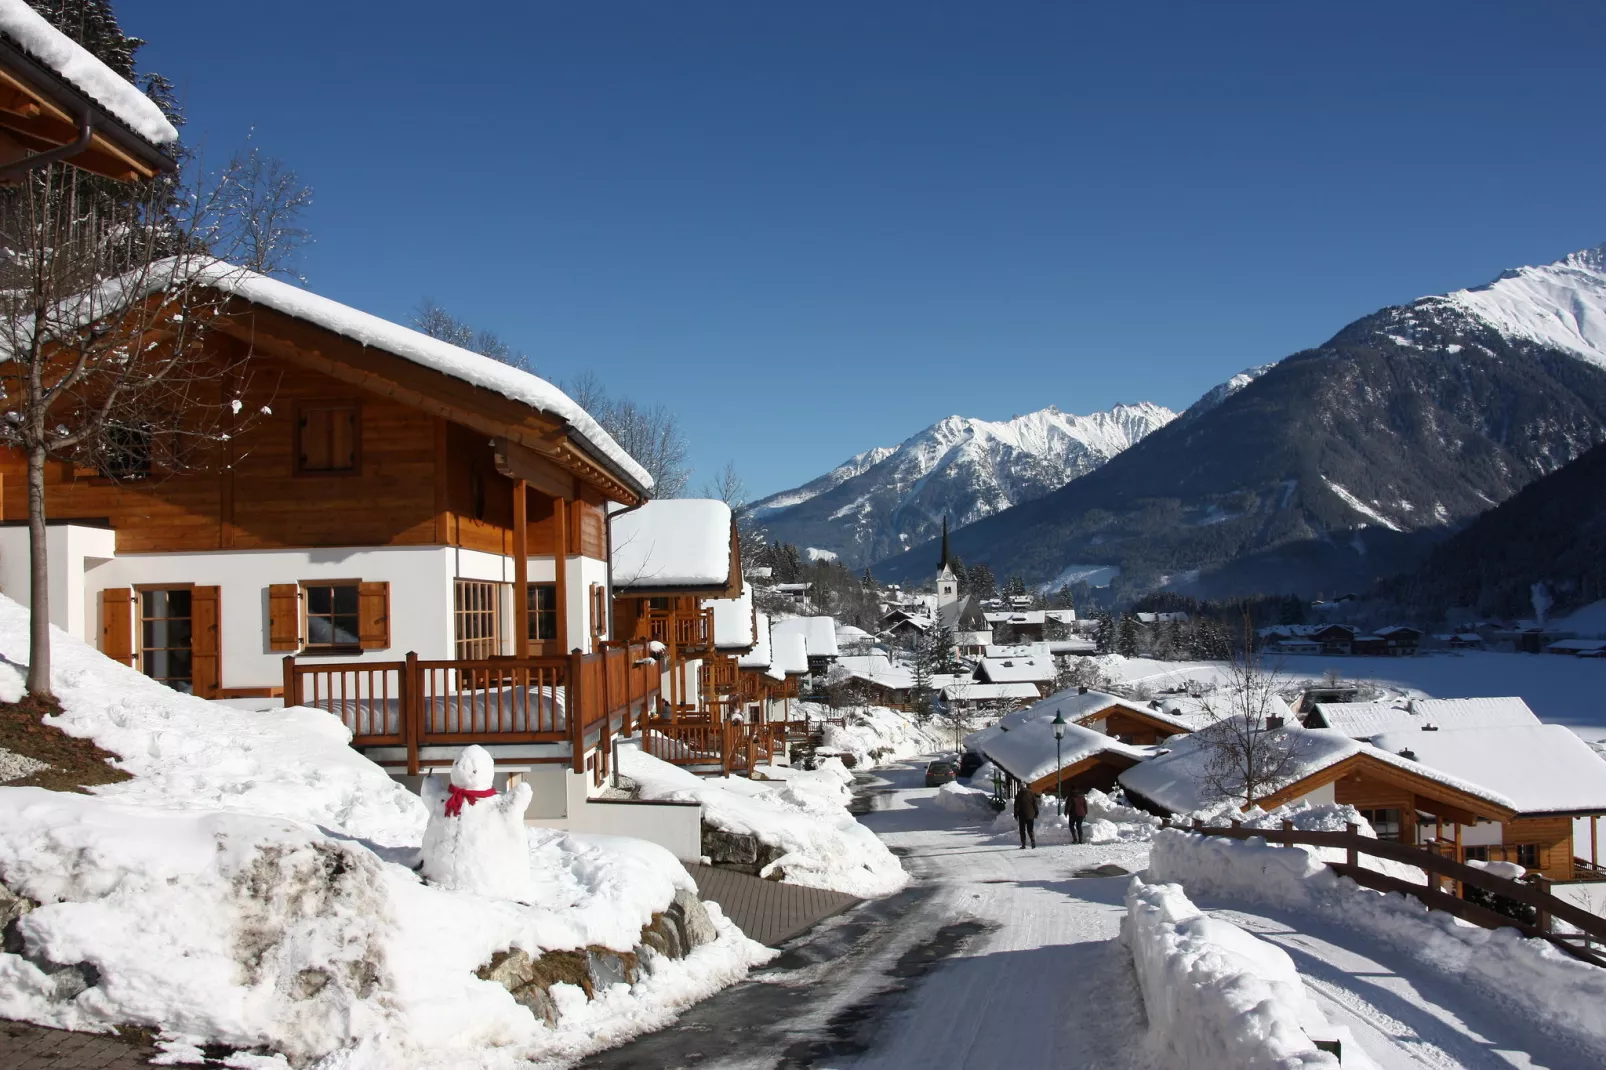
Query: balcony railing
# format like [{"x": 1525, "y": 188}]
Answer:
[
  {"x": 733, "y": 747},
  {"x": 683, "y": 631},
  {"x": 416, "y": 703}
]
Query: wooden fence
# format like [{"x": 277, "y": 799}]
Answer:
[
  {"x": 733, "y": 746},
  {"x": 416, "y": 703},
  {"x": 1532, "y": 891}
]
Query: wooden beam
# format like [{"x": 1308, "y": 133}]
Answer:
[
  {"x": 520, "y": 462},
  {"x": 521, "y": 570},
  {"x": 443, "y": 516},
  {"x": 560, "y": 552}
]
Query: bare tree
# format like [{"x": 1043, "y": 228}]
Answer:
[
  {"x": 106, "y": 306},
  {"x": 431, "y": 319},
  {"x": 650, "y": 434},
  {"x": 727, "y": 486},
  {"x": 1248, "y": 751},
  {"x": 263, "y": 200}
]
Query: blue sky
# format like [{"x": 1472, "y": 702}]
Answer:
[{"x": 815, "y": 228}]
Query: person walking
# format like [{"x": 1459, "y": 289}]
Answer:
[
  {"x": 1026, "y": 814},
  {"x": 1078, "y": 814}
]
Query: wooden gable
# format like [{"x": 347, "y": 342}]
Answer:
[{"x": 1368, "y": 782}]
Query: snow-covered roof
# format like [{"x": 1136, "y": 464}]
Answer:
[
  {"x": 1029, "y": 750},
  {"x": 759, "y": 657},
  {"x": 1019, "y": 616},
  {"x": 1541, "y": 768},
  {"x": 369, "y": 330},
  {"x": 1017, "y": 650},
  {"x": 1577, "y": 645},
  {"x": 819, "y": 633},
  {"x": 74, "y": 63},
  {"x": 974, "y": 692},
  {"x": 1014, "y": 670},
  {"x": 673, "y": 542},
  {"x": 1363, "y": 720},
  {"x": 877, "y": 669},
  {"x": 789, "y": 652},
  {"x": 733, "y": 620}
]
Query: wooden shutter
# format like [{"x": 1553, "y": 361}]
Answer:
[
  {"x": 117, "y": 624},
  {"x": 204, "y": 646},
  {"x": 284, "y": 616},
  {"x": 373, "y": 615}
]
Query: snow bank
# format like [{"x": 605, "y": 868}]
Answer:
[
  {"x": 1217, "y": 997},
  {"x": 875, "y": 735},
  {"x": 253, "y": 885},
  {"x": 1531, "y": 974},
  {"x": 1109, "y": 820},
  {"x": 971, "y": 802},
  {"x": 803, "y": 816}
]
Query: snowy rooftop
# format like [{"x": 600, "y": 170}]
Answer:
[
  {"x": 369, "y": 330},
  {"x": 1029, "y": 750},
  {"x": 733, "y": 620},
  {"x": 789, "y": 652},
  {"x": 1017, "y": 650},
  {"x": 819, "y": 633},
  {"x": 759, "y": 657},
  {"x": 1542, "y": 768},
  {"x": 1363, "y": 720},
  {"x": 673, "y": 542},
  {"x": 1019, "y": 616},
  {"x": 971, "y": 691},
  {"x": 1016, "y": 670},
  {"x": 877, "y": 669},
  {"x": 60, "y": 53}
]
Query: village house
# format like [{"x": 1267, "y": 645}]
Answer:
[
  {"x": 1023, "y": 745},
  {"x": 1037, "y": 670},
  {"x": 878, "y": 679},
  {"x": 1363, "y": 720},
  {"x": 1137, "y": 723},
  {"x": 819, "y": 641},
  {"x": 971, "y": 697}
]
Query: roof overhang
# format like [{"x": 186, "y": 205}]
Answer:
[{"x": 1454, "y": 802}]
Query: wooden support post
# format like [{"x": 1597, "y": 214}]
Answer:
[
  {"x": 1541, "y": 884},
  {"x": 521, "y": 569},
  {"x": 1460, "y": 889},
  {"x": 1351, "y": 856},
  {"x": 410, "y": 709},
  {"x": 560, "y": 553},
  {"x": 1594, "y": 840},
  {"x": 574, "y": 701},
  {"x": 1288, "y": 826},
  {"x": 292, "y": 682}
]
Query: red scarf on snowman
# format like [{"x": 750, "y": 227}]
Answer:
[{"x": 456, "y": 795}]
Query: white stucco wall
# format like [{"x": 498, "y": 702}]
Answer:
[{"x": 71, "y": 551}]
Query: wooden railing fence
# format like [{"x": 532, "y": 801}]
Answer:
[
  {"x": 416, "y": 703},
  {"x": 733, "y": 746},
  {"x": 1587, "y": 944},
  {"x": 680, "y": 629}
]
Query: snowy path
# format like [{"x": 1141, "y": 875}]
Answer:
[
  {"x": 1404, "y": 1015},
  {"x": 993, "y": 957}
]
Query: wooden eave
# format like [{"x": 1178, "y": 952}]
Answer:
[
  {"x": 1392, "y": 774},
  {"x": 1048, "y": 780},
  {"x": 41, "y": 111},
  {"x": 1133, "y": 711},
  {"x": 319, "y": 349}
]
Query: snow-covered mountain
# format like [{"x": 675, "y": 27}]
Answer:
[
  {"x": 881, "y": 500},
  {"x": 1339, "y": 464}
]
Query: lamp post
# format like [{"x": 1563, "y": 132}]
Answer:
[{"x": 1059, "y": 768}]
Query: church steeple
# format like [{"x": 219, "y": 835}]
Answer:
[
  {"x": 944, "y": 562},
  {"x": 947, "y": 582}
]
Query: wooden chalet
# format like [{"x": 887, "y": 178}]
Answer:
[
  {"x": 1138, "y": 723},
  {"x": 409, "y": 535},
  {"x": 59, "y": 103},
  {"x": 1024, "y": 747}
]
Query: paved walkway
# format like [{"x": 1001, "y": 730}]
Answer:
[
  {"x": 32, "y": 1047},
  {"x": 768, "y": 911}
]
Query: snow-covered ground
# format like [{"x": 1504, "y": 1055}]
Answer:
[
  {"x": 875, "y": 735},
  {"x": 253, "y": 886},
  {"x": 802, "y": 815},
  {"x": 1561, "y": 690}
]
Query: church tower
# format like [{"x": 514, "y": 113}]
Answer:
[{"x": 947, "y": 582}]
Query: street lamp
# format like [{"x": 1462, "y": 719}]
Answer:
[{"x": 1059, "y": 769}]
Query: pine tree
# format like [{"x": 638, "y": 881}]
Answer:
[
  {"x": 1126, "y": 642},
  {"x": 1105, "y": 640}
]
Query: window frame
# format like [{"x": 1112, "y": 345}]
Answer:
[
  {"x": 1398, "y": 828},
  {"x": 140, "y": 591},
  {"x": 310, "y": 647},
  {"x": 536, "y": 613},
  {"x": 354, "y": 405},
  {"x": 489, "y": 591}
]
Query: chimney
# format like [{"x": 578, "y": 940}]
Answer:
[
  {"x": 1430, "y": 728},
  {"x": 1082, "y": 690},
  {"x": 1408, "y": 754},
  {"x": 1273, "y": 721}
]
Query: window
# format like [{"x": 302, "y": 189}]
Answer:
[
  {"x": 543, "y": 611},
  {"x": 1524, "y": 854},
  {"x": 479, "y": 632},
  {"x": 599, "y": 611},
  {"x": 165, "y": 637},
  {"x": 1386, "y": 823},
  {"x": 327, "y": 437},
  {"x": 332, "y": 618},
  {"x": 128, "y": 452}
]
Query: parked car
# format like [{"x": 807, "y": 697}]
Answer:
[{"x": 939, "y": 773}]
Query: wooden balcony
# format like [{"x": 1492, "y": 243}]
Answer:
[
  {"x": 682, "y": 632},
  {"x": 731, "y": 747},
  {"x": 580, "y": 699}
]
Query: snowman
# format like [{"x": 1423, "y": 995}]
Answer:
[{"x": 475, "y": 839}]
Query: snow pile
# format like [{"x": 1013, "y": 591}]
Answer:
[
  {"x": 970, "y": 802},
  {"x": 75, "y": 64},
  {"x": 1537, "y": 978},
  {"x": 253, "y": 885},
  {"x": 821, "y": 845},
  {"x": 875, "y": 735},
  {"x": 1217, "y": 997},
  {"x": 673, "y": 542},
  {"x": 1109, "y": 820}
]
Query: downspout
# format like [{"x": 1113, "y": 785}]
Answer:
[{"x": 18, "y": 169}]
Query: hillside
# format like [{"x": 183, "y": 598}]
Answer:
[
  {"x": 884, "y": 499},
  {"x": 1340, "y": 464},
  {"x": 1553, "y": 531}
]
